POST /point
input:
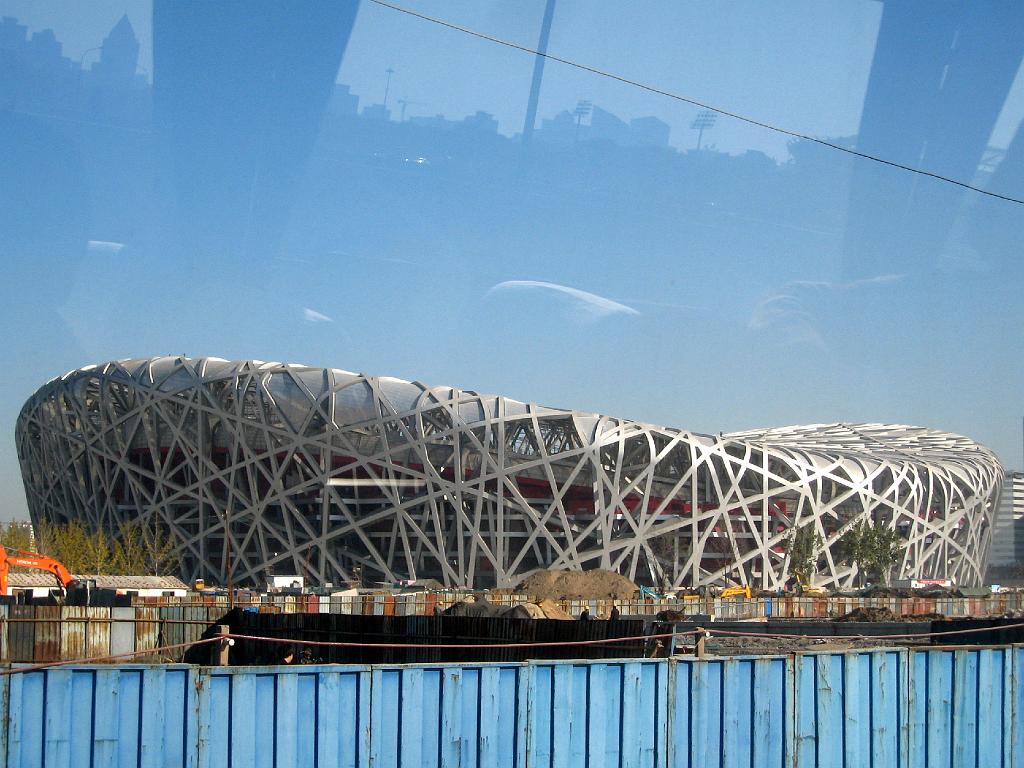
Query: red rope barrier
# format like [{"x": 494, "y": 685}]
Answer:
[
  {"x": 707, "y": 631},
  {"x": 110, "y": 657},
  {"x": 768, "y": 635},
  {"x": 429, "y": 646}
]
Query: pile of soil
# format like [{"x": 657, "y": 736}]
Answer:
[
  {"x": 929, "y": 591},
  {"x": 743, "y": 646},
  {"x": 671, "y": 616},
  {"x": 550, "y": 610},
  {"x": 481, "y": 607},
  {"x": 868, "y": 614},
  {"x": 578, "y": 585},
  {"x": 880, "y": 591},
  {"x": 522, "y": 612}
]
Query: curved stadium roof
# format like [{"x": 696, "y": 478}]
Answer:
[{"x": 333, "y": 474}]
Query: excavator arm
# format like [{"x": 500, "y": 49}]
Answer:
[{"x": 20, "y": 557}]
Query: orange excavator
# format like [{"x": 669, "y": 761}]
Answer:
[{"x": 32, "y": 560}]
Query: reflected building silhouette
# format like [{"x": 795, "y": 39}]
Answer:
[
  {"x": 220, "y": 180},
  {"x": 45, "y": 193},
  {"x": 938, "y": 82},
  {"x": 240, "y": 89},
  {"x": 604, "y": 126},
  {"x": 119, "y": 55},
  {"x": 987, "y": 222},
  {"x": 650, "y": 130},
  {"x": 35, "y": 75},
  {"x": 343, "y": 102},
  {"x": 376, "y": 112}
]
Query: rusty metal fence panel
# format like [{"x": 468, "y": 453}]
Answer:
[
  {"x": 147, "y": 630},
  {"x": 423, "y": 603},
  {"x": 51, "y": 633}
]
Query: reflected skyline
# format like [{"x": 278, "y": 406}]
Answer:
[{"x": 286, "y": 215}]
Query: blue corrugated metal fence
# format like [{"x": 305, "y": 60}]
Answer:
[{"x": 879, "y": 708}]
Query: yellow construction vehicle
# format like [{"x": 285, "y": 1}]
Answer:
[
  {"x": 804, "y": 589},
  {"x": 736, "y": 592}
]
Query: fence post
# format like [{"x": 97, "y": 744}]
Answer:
[{"x": 220, "y": 650}]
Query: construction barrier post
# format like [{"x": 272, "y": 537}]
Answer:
[{"x": 220, "y": 650}]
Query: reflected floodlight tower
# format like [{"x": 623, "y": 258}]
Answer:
[
  {"x": 404, "y": 103},
  {"x": 387, "y": 85},
  {"x": 705, "y": 119},
  {"x": 583, "y": 108}
]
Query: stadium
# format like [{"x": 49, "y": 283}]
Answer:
[{"x": 266, "y": 468}]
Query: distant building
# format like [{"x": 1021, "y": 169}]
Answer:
[
  {"x": 560, "y": 129},
  {"x": 376, "y": 112},
  {"x": 481, "y": 121},
  {"x": 119, "y": 55},
  {"x": 46, "y": 48},
  {"x": 604, "y": 125},
  {"x": 12, "y": 34},
  {"x": 36, "y": 76},
  {"x": 437, "y": 122},
  {"x": 649, "y": 130},
  {"x": 343, "y": 102},
  {"x": 41, "y": 584},
  {"x": 1008, "y": 530}
]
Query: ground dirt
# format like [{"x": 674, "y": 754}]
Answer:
[
  {"x": 757, "y": 646},
  {"x": 868, "y": 614},
  {"x": 578, "y": 585},
  {"x": 884, "y": 614}
]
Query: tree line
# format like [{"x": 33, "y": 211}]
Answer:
[
  {"x": 875, "y": 549},
  {"x": 134, "y": 548}
]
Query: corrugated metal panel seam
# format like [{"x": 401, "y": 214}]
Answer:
[{"x": 885, "y": 708}]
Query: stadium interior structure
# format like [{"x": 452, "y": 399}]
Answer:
[{"x": 267, "y": 468}]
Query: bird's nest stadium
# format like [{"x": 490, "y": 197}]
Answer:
[{"x": 267, "y": 468}]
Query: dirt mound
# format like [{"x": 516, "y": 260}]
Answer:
[
  {"x": 937, "y": 591},
  {"x": 519, "y": 612},
  {"x": 578, "y": 585},
  {"x": 868, "y": 614},
  {"x": 670, "y": 615},
  {"x": 479, "y": 608},
  {"x": 550, "y": 610}
]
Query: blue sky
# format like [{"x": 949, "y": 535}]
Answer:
[{"x": 757, "y": 283}]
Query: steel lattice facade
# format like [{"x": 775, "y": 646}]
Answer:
[{"x": 270, "y": 468}]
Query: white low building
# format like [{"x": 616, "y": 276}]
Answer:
[{"x": 41, "y": 584}]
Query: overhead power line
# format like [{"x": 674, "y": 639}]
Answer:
[{"x": 694, "y": 102}]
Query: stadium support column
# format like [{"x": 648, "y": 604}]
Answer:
[
  {"x": 764, "y": 517},
  {"x": 500, "y": 544},
  {"x": 694, "y": 532},
  {"x": 325, "y": 511},
  {"x": 538, "y": 71},
  {"x": 204, "y": 449}
]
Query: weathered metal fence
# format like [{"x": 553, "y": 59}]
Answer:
[
  {"x": 38, "y": 633},
  {"x": 424, "y": 603},
  {"x": 880, "y": 708}
]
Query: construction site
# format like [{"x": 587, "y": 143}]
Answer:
[{"x": 551, "y": 614}]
